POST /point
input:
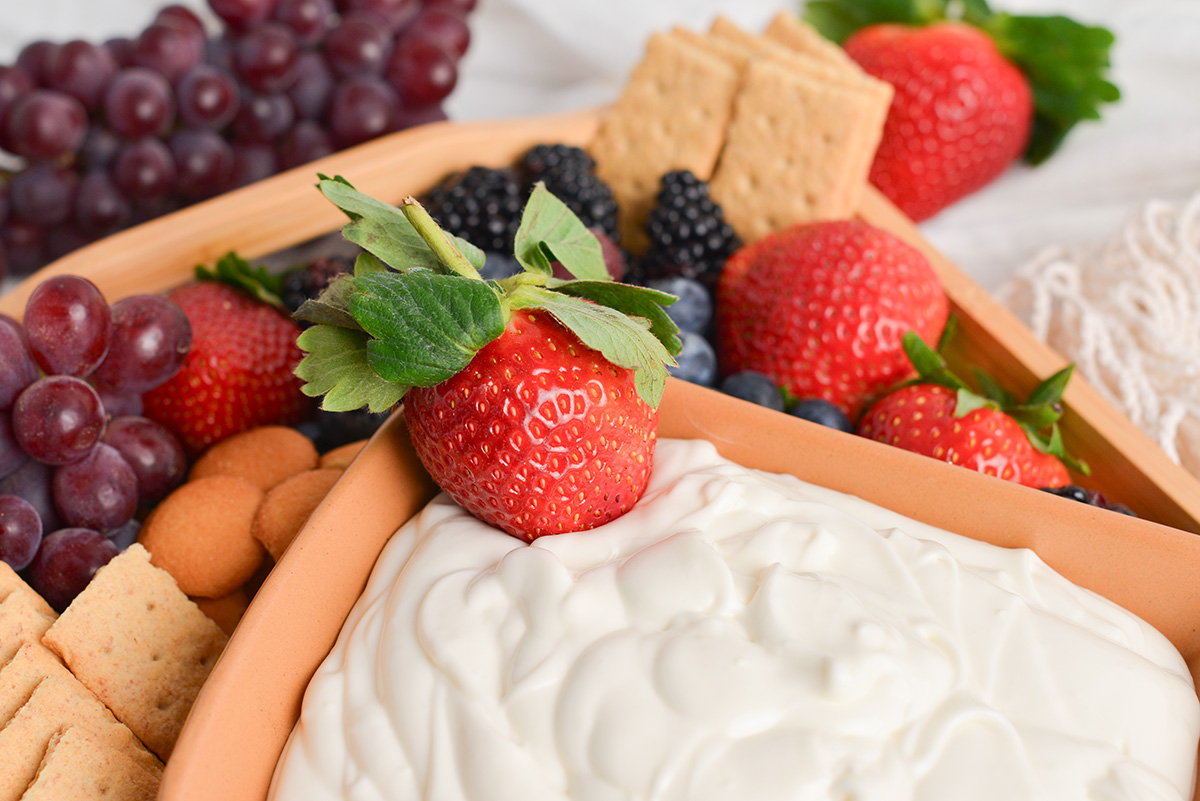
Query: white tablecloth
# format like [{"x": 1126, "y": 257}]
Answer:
[{"x": 532, "y": 56}]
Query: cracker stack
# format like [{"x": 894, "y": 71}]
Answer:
[{"x": 790, "y": 139}]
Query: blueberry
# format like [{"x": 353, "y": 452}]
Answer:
[
  {"x": 693, "y": 311},
  {"x": 823, "y": 412},
  {"x": 697, "y": 360},
  {"x": 498, "y": 266},
  {"x": 1071, "y": 491},
  {"x": 753, "y": 386}
]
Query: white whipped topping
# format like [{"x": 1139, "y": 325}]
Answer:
[{"x": 739, "y": 636}]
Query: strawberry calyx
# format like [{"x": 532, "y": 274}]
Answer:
[
  {"x": 1037, "y": 415},
  {"x": 254, "y": 280},
  {"x": 1065, "y": 61},
  {"x": 416, "y": 310}
]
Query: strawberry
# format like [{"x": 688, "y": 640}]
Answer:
[
  {"x": 239, "y": 373},
  {"x": 939, "y": 416},
  {"x": 532, "y": 401},
  {"x": 820, "y": 308},
  {"x": 972, "y": 94}
]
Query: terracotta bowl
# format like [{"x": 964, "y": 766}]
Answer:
[{"x": 245, "y": 712}]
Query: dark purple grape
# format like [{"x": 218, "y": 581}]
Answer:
[
  {"x": 307, "y": 141},
  {"x": 146, "y": 210},
  {"x": 313, "y": 88},
  {"x": 100, "y": 208},
  {"x": 208, "y": 97},
  {"x": 58, "y": 419},
  {"x": 262, "y": 118},
  {"x": 168, "y": 51},
  {"x": 358, "y": 46},
  {"x": 32, "y": 482},
  {"x": 44, "y": 193},
  {"x": 443, "y": 27},
  {"x": 463, "y": 7},
  {"x": 119, "y": 405},
  {"x": 11, "y": 455},
  {"x": 99, "y": 148},
  {"x": 64, "y": 239},
  {"x": 218, "y": 52},
  {"x": 362, "y": 108},
  {"x": 183, "y": 19},
  {"x": 44, "y": 125},
  {"x": 68, "y": 325},
  {"x": 265, "y": 57},
  {"x": 99, "y": 492},
  {"x": 35, "y": 59},
  {"x": 308, "y": 19},
  {"x": 203, "y": 163},
  {"x": 240, "y": 15},
  {"x": 139, "y": 103},
  {"x": 150, "y": 339},
  {"x": 17, "y": 369},
  {"x": 66, "y": 562},
  {"x": 14, "y": 84},
  {"x": 121, "y": 49},
  {"x": 152, "y": 451},
  {"x": 144, "y": 170},
  {"x": 410, "y": 117},
  {"x": 124, "y": 536},
  {"x": 24, "y": 243},
  {"x": 3, "y": 263},
  {"x": 253, "y": 161},
  {"x": 20, "y": 531},
  {"x": 3, "y": 202},
  {"x": 83, "y": 71},
  {"x": 421, "y": 72},
  {"x": 396, "y": 14}
]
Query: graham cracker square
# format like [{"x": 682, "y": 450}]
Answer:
[
  {"x": 10, "y": 582},
  {"x": 80, "y": 767},
  {"x": 23, "y": 673},
  {"x": 20, "y": 622},
  {"x": 790, "y": 31}
]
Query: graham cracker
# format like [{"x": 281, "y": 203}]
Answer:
[
  {"x": 725, "y": 31},
  {"x": 793, "y": 151},
  {"x": 23, "y": 673},
  {"x": 80, "y": 767},
  {"x": 134, "y": 639},
  {"x": 55, "y": 705},
  {"x": 10, "y": 582},
  {"x": 21, "y": 621},
  {"x": 788, "y": 30},
  {"x": 671, "y": 116}
]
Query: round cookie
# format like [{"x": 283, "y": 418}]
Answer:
[
  {"x": 264, "y": 456},
  {"x": 340, "y": 458},
  {"x": 200, "y": 534},
  {"x": 225, "y": 611},
  {"x": 287, "y": 507}
]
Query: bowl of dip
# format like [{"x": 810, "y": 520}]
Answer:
[{"x": 257, "y": 687}]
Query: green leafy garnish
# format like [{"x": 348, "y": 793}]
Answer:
[
  {"x": 257, "y": 282},
  {"x": 336, "y": 366},
  {"x": 550, "y": 228}
]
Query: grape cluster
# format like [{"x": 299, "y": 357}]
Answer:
[
  {"x": 114, "y": 134},
  {"x": 76, "y": 461}
]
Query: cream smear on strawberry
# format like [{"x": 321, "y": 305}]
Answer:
[{"x": 738, "y": 635}]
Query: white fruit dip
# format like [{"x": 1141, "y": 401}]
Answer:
[{"x": 738, "y": 636}]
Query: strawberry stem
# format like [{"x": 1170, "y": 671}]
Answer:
[{"x": 437, "y": 240}]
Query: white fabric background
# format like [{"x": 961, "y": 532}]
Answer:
[{"x": 532, "y": 56}]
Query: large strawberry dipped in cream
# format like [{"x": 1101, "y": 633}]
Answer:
[
  {"x": 821, "y": 308},
  {"x": 531, "y": 401},
  {"x": 974, "y": 89},
  {"x": 993, "y": 433}
]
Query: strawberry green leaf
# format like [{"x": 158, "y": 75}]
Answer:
[
  {"x": 837, "y": 19},
  {"x": 549, "y": 228},
  {"x": 336, "y": 366},
  {"x": 635, "y": 301},
  {"x": 1055, "y": 446},
  {"x": 930, "y": 366},
  {"x": 625, "y": 341},
  {"x": 1051, "y": 390},
  {"x": 332, "y": 306},
  {"x": 426, "y": 326},
  {"x": 993, "y": 391},
  {"x": 257, "y": 282},
  {"x": 967, "y": 401}
]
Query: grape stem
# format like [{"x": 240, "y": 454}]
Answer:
[{"x": 436, "y": 238}]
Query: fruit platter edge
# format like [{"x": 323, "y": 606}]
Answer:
[{"x": 286, "y": 210}]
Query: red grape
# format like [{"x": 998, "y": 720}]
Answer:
[
  {"x": 262, "y": 118},
  {"x": 17, "y": 369},
  {"x": 116, "y": 405},
  {"x": 100, "y": 208},
  {"x": 66, "y": 562},
  {"x": 82, "y": 70},
  {"x": 410, "y": 117},
  {"x": 124, "y": 536},
  {"x": 395, "y": 13},
  {"x": 64, "y": 239},
  {"x": 362, "y": 108},
  {"x": 58, "y": 419},
  {"x": 253, "y": 161},
  {"x": 307, "y": 141},
  {"x": 99, "y": 148},
  {"x": 20, "y": 531},
  {"x": 308, "y": 19},
  {"x": 24, "y": 243},
  {"x": 203, "y": 163},
  {"x": 139, "y": 103},
  {"x": 218, "y": 52},
  {"x": 44, "y": 193},
  {"x": 121, "y": 49},
  {"x": 242, "y": 14},
  {"x": 422, "y": 72},
  {"x": 151, "y": 338},
  {"x": 68, "y": 325},
  {"x": 11, "y": 455},
  {"x": 152, "y": 451},
  {"x": 44, "y": 125},
  {"x": 441, "y": 26},
  {"x": 14, "y": 84},
  {"x": 168, "y": 50},
  {"x": 461, "y": 6},
  {"x": 3, "y": 202},
  {"x": 32, "y": 482},
  {"x": 208, "y": 97},
  {"x": 144, "y": 170},
  {"x": 35, "y": 58},
  {"x": 265, "y": 57},
  {"x": 358, "y": 46},
  {"x": 183, "y": 19},
  {"x": 313, "y": 88},
  {"x": 99, "y": 492}
]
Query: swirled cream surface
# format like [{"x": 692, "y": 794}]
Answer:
[{"x": 738, "y": 636}]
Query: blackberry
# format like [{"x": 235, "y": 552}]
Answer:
[
  {"x": 1089, "y": 497},
  {"x": 570, "y": 175},
  {"x": 482, "y": 205},
  {"x": 688, "y": 232},
  {"x": 305, "y": 283}
]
